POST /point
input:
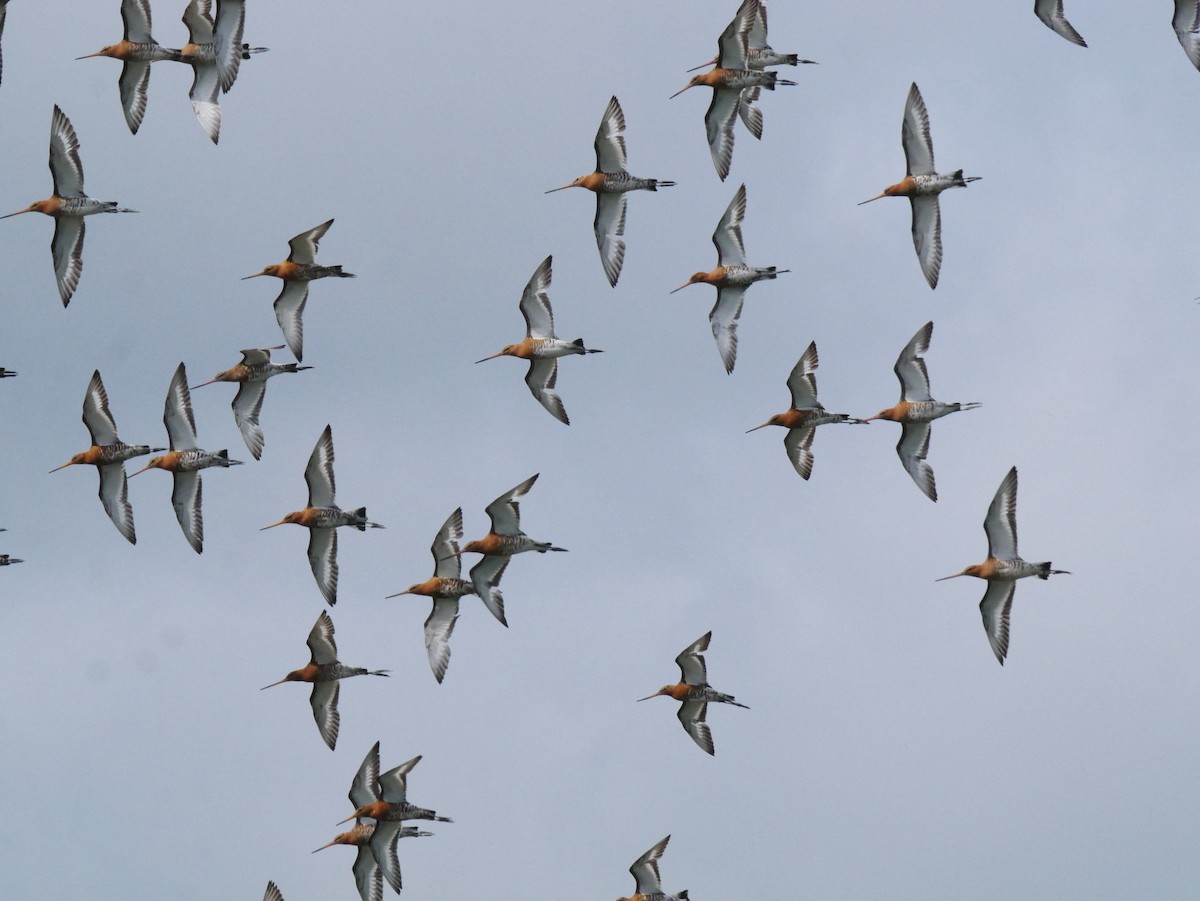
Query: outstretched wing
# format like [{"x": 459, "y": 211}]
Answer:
[
  {"x": 610, "y": 142},
  {"x": 1001, "y": 522}
]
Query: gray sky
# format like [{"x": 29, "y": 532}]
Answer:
[{"x": 886, "y": 754}]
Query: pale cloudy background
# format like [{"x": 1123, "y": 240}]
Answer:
[{"x": 886, "y": 754}]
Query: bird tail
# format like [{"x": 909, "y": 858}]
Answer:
[
  {"x": 295, "y": 367},
  {"x": 337, "y": 270},
  {"x": 361, "y": 514},
  {"x": 961, "y": 181},
  {"x": 542, "y": 548},
  {"x": 1045, "y": 572},
  {"x": 247, "y": 50},
  {"x": 578, "y": 342}
]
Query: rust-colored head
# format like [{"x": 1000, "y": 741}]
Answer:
[
  {"x": 229, "y": 375},
  {"x": 890, "y": 414},
  {"x": 154, "y": 463},
  {"x": 296, "y": 675},
  {"x": 696, "y": 81},
  {"x": 473, "y": 547},
  {"x": 591, "y": 181},
  {"x": 777, "y": 419},
  {"x": 975, "y": 570},
  {"x": 115, "y": 51},
  {"x": 356, "y": 836},
  {"x": 509, "y": 350},
  {"x": 696, "y": 278},
  {"x": 427, "y": 588},
  {"x": 297, "y": 518},
  {"x": 81, "y": 457},
  {"x": 273, "y": 269},
  {"x": 375, "y": 809},
  {"x": 668, "y": 690},
  {"x": 48, "y": 206},
  {"x": 899, "y": 189}
]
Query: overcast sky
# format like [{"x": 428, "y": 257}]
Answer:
[{"x": 885, "y": 754}]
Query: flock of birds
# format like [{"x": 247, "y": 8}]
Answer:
[{"x": 742, "y": 68}]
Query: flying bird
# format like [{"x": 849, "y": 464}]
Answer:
[
  {"x": 731, "y": 278},
  {"x": 209, "y": 57},
  {"x": 610, "y": 182},
  {"x": 367, "y": 875},
  {"x": 1003, "y": 565},
  {"x": 251, "y": 375},
  {"x": 6, "y": 560},
  {"x": 385, "y": 798},
  {"x": 540, "y": 347},
  {"x": 805, "y": 414},
  {"x": 922, "y": 184},
  {"x": 324, "y": 671},
  {"x": 68, "y": 205},
  {"x": 136, "y": 50},
  {"x": 759, "y": 56},
  {"x": 108, "y": 454},
  {"x": 185, "y": 460},
  {"x": 297, "y": 271},
  {"x": 916, "y": 410},
  {"x": 732, "y": 74},
  {"x": 695, "y": 693},
  {"x": 1051, "y": 14},
  {"x": 1186, "y": 23},
  {"x": 322, "y": 516},
  {"x": 445, "y": 587},
  {"x": 230, "y": 51},
  {"x": 649, "y": 883},
  {"x": 503, "y": 541}
]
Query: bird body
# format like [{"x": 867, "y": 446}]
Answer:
[
  {"x": 540, "y": 345},
  {"x": 922, "y": 184},
  {"x": 694, "y": 693},
  {"x": 297, "y": 271},
  {"x": 322, "y": 516},
  {"x": 731, "y": 278},
  {"x": 610, "y": 182},
  {"x": 108, "y": 454},
  {"x": 252, "y": 374},
  {"x": 367, "y": 875},
  {"x": 324, "y": 671},
  {"x": 1003, "y": 565},
  {"x": 916, "y": 409},
  {"x": 67, "y": 205}
]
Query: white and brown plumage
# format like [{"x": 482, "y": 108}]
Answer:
[
  {"x": 694, "y": 693},
  {"x": 540, "y": 347},
  {"x": 916, "y": 410},
  {"x": 732, "y": 74},
  {"x": 731, "y": 278},
  {"x": 759, "y": 55},
  {"x": 445, "y": 587},
  {"x": 503, "y": 541},
  {"x": 251, "y": 375},
  {"x": 324, "y": 671},
  {"x": 108, "y": 454},
  {"x": 322, "y": 517},
  {"x": 646, "y": 876},
  {"x": 297, "y": 271},
  {"x": 214, "y": 50},
  {"x": 1003, "y": 565},
  {"x": 385, "y": 799},
  {"x": 68, "y": 205},
  {"x": 1186, "y": 22},
  {"x": 184, "y": 460},
  {"x": 367, "y": 875},
  {"x": 1050, "y": 12},
  {"x": 805, "y": 414},
  {"x": 610, "y": 182},
  {"x": 136, "y": 50},
  {"x": 922, "y": 184}
]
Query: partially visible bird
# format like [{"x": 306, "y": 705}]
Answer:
[
  {"x": 6, "y": 560},
  {"x": 108, "y": 454},
  {"x": 646, "y": 876},
  {"x": 68, "y": 205},
  {"x": 916, "y": 410},
  {"x": 207, "y": 56},
  {"x": 297, "y": 271},
  {"x": 445, "y": 588},
  {"x": 610, "y": 182},
  {"x": 922, "y": 184},
  {"x": 325, "y": 671},
  {"x": 731, "y": 76},
  {"x": 136, "y": 50},
  {"x": 1186, "y": 23},
  {"x": 7, "y": 373},
  {"x": 806, "y": 413},
  {"x": 251, "y": 375},
  {"x": 1051, "y": 14},
  {"x": 3, "y": 12},
  {"x": 731, "y": 278},
  {"x": 272, "y": 893},
  {"x": 230, "y": 51},
  {"x": 504, "y": 540},
  {"x": 540, "y": 347},
  {"x": 1003, "y": 565},
  {"x": 185, "y": 460},
  {"x": 695, "y": 693},
  {"x": 367, "y": 875},
  {"x": 322, "y": 516}
]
